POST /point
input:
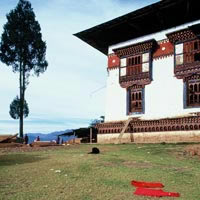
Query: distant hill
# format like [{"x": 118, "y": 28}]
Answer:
[{"x": 49, "y": 136}]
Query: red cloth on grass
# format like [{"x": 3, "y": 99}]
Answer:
[
  {"x": 155, "y": 193},
  {"x": 147, "y": 184}
]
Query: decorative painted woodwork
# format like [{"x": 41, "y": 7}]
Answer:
[
  {"x": 141, "y": 79},
  {"x": 136, "y": 48},
  {"x": 165, "y": 48},
  {"x": 187, "y": 58},
  {"x": 110, "y": 127},
  {"x": 113, "y": 61},
  {"x": 193, "y": 93},
  {"x": 135, "y": 99},
  {"x": 159, "y": 125},
  {"x": 192, "y": 77},
  {"x": 192, "y": 90},
  {"x": 181, "y": 36},
  {"x": 187, "y": 62},
  {"x": 187, "y": 51},
  {"x": 135, "y": 63}
]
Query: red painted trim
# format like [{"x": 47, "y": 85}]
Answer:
[
  {"x": 164, "y": 49},
  {"x": 113, "y": 61}
]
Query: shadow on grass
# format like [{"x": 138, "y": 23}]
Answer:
[{"x": 17, "y": 159}]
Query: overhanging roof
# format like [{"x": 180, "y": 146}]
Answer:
[{"x": 159, "y": 16}]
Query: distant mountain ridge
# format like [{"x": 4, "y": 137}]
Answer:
[{"x": 49, "y": 136}]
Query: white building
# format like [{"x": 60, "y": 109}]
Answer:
[{"x": 153, "y": 73}]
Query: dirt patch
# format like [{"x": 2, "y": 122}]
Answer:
[
  {"x": 134, "y": 164},
  {"x": 25, "y": 148},
  {"x": 177, "y": 169},
  {"x": 109, "y": 164},
  {"x": 192, "y": 150},
  {"x": 10, "y": 145}
]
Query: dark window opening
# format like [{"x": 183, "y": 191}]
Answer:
[
  {"x": 195, "y": 45},
  {"x": 195, "y": 87},
  {"x": 191, "y": 88},
  {"x": 195, "y": 98},
  {"x": 197, "y": 57},
  {"x": 135, "y": 100}
]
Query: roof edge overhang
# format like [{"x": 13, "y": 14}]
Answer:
[{"x": 144, "y": 21}]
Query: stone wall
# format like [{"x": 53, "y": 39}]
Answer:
[
  {"x": 112, "y": 138},
  {"x": 153, "y": 137}
]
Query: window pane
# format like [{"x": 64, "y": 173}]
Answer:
[
  {"x": 179, "y": 48},
  {"x": 145, "y": 67},
  {"x": 145, "y": 57},
  {"x": 123, "y": 71},
  {"x": 179, "y": 59},
  {"x": 123, "y": 62}
]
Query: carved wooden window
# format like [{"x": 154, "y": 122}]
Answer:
[
  {"x": 192, "y": 51},
  {"x": 187, "y": 52},
  {"x": 193, "y": 93},
  {"x": 134, "y": 65},
  {"x": 137, "y": 64},
  {"x": 135, "y": 100}
]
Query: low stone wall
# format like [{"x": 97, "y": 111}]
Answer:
[
  {"x": 151, "y": 137},
  {"x": 112, "y": 138}
]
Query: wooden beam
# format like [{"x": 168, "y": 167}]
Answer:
[{"x": 123, "y": 130}]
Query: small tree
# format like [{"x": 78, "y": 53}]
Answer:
[
  {"x": 15, "y": 108},
  {"x": 22, "y": 48},
  {"x": 94, "y": 122}
]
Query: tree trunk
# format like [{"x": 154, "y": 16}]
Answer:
[{"x": 21, "y": 118}]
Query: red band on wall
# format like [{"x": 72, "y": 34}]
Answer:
[
  {"x": 113, "y": 61},
  {"x": 165, "y": 48}
]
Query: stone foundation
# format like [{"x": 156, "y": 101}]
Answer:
[
  {"x": 113, "y": 138},
  {"x": 151, "y": 137}
]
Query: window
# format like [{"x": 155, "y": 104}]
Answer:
[
  {"x": 193, "y": 93},
  {"x": 196, "y": 46},
  {"x": 134, "y": 65},
  {"x": 135, "y": 99},
  {"x": 123, "y": 67},
  {"x": 188, "y": 52},
  {"x": 137, "y": 64},
  {"x": 197, "y": 57},
  {"x": 179, "y": 54}
]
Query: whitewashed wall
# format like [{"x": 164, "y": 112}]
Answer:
[
  {"x": 115, "y": 97},
  {"x": 163, "y": 97}
]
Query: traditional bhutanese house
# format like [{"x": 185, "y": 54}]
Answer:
[{"x": 153, "y": 83}]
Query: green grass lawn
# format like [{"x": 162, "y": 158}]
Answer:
[{"x": 106, "y": 176}]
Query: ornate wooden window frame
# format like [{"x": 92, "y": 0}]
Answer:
[
  {"x": 192, "y": 91},
  {"x": 186, "y": 66},
  {"x": 135, "y": 100},
  {"x": 135, "y": 72},
  {"x": 131, "y": 73},
  {"x": 187, "y": 38}
]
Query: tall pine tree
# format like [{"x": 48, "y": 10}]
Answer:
[{"x": 22, "y": 48}]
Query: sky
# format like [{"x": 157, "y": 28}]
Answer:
[{"x": 71, "y": 93}]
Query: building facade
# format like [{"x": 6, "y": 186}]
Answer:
[{"x": 153, "y": 73}]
